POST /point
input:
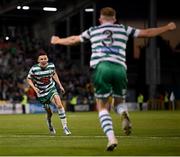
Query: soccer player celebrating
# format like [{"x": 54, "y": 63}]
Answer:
[
  {"x": 108, "y": 59},
  {"x": 42, "y": 78}
]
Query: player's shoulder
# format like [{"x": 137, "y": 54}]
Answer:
[
  {"x": 126, "y": 27},
  {"x": 120, "y": 25},
  {"x": 51, "y": 65},
  {"x": 35, "y": 66},
  {"x": 94, "y": 28}
]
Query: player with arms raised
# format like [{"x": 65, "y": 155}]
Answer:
[{"x": 108, "y": 59}]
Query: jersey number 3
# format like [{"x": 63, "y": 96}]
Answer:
[{"x": 108, "y": 41}]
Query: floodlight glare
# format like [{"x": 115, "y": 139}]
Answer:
[
  {"x": 7, "y": 38},
  {"x": 49, "y": 9},
  {"x": 18, "y": 7},
  {"x": 25, "y": 7},
  {"x": 89, "y": 10}
]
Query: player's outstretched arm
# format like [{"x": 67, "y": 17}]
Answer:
[
  {"x": 72, "y": 40},
  {"x": 152, "y": 32}
]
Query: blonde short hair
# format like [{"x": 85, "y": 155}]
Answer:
[{"x": 108, "y": 12}]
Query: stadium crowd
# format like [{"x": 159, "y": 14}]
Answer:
[
  {"x": 16, "y": 58},
  {"x": 19, "y": 54}
]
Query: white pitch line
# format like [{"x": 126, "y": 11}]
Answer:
[{"x": 53, "y": 136}]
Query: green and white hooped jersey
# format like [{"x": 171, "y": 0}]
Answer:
[
  {"x": 42, "y": 78},
  {"x": 108, "y": 42}
]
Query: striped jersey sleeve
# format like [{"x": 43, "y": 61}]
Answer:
[
  {"x": 86, "y": 35},
  {"x": 132, "y": 31}
]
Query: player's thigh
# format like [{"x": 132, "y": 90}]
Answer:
[
  {"x": 101, "y": 78},
  {"x": 119, "y": 83},
  {"x": 57, "y": 100}
]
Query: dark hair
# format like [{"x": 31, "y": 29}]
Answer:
[{"x": 41, "y": 52}]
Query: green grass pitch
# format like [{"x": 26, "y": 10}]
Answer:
[{"x": 155, "y": 133}]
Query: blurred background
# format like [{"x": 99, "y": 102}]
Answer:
[{"x": 26, "y": 26}]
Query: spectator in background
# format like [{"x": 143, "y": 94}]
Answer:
[
  {"x": 140, "y": 101},
  {"x": 24, "y": 103},
  {"x": 166, "y": 101},
  {"x": 73, "y": 103},
  {"x": 172, "y": 100}
]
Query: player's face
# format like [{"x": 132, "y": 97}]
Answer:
[{"x": 43, "y": 60}]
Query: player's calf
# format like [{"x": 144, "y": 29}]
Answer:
[{"x": 126, "y": 123}]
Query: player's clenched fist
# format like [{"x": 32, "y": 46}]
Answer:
[
  {"x": 171, "y": 26},
  {"x": 54, "y": 39}
]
